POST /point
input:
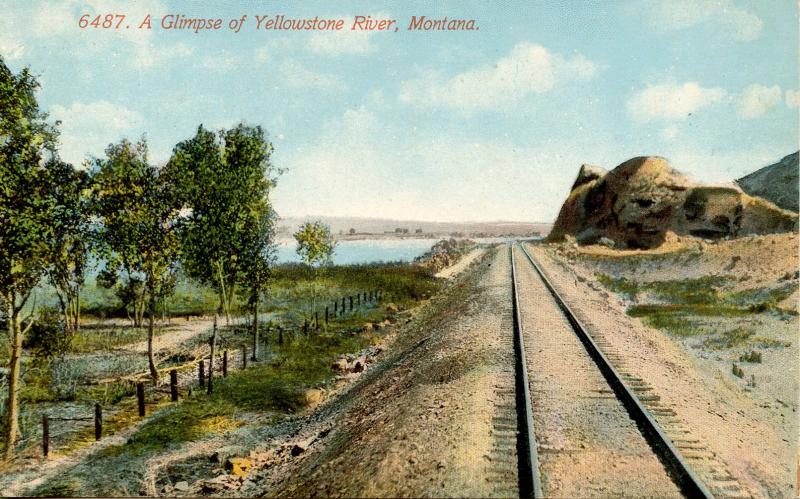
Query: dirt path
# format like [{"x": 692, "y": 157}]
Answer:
[
  {"x": 183, "y": 332},
  {"x": 424, "y": 421},
  {"x": 461, "y": 265}
]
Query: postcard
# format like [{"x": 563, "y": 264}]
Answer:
[{"x": 258, "y": 248}]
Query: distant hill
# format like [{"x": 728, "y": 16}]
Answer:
[
  {"x": 385, "y": 227},
  {"x": 777, "y": 183}
]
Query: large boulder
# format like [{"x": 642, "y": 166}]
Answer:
[
  {"x": 637, "y": 203},
  {"x": 777, "y": 183}
]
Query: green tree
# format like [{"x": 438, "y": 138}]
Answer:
[
  {"x": 28, "y": 216},
  {"x": 224, "y": 181},
  {"x": 315, "y": 245},
  {"x": 258, "y": 258},
  {"x": 138, "y": 209},
  {"x": 70, "y": 240}
]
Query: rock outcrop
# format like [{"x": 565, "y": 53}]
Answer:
[
  {"x": 639, "y": 202},
  {"x": 777, "y": 183}
]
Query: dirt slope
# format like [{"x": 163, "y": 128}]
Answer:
[{"x": 420, "y": 424}]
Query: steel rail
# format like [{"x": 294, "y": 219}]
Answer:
[
  {"x": 680, "y": 471},
  {"x": 530, "y": 484}
]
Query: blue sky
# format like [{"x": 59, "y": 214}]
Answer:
[{"x": 478, "y": 125}]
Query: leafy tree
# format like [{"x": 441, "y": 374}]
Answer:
[
  {"x": 315, "y": 245},
  {"x": 138, "y": 210},
  {"x": 70, "y": 240},
  {"x": 258, "y": 258},
  {"x": 28, "y": 215},
  {"x": 225, "y": 180}
]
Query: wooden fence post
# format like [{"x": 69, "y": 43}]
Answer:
[
  {"x": 280, "y": 335},
  {"x": 351, "y": 303},
  {"x": 225, "y": 364},
  {"x": 326, "y": 315},
  {"x": 45, "y": 435},
  {"x": 140, "y": 398},
  {"x": 98, "y": 422},
  {"x": 316, "y": 320},
  {"x": 211, "y": 358},
  {"x": 173, "y": 385},
  {"x": 244, "y": 356},
  {"x": 335, "y": 307},
  {"x": 202, "y": 372},
  {"x": 358, "y": 296}
]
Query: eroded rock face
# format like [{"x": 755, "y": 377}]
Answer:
[{"x": 637, "y": 203}]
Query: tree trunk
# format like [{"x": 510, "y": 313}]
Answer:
[
  {"x": 255, "y": 325},
  {"x": 12, "y": 405},
  {"x": 150, "y": 333},
  {"x": 223, "y": 295},
  {"x": 77, "y": 309}
]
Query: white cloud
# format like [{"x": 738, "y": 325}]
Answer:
[
  {"x": 89, "y": 128},
  {"x": 527, "y": 69},
  {"x": 10, "y": 47},
  {"x": 757, "y": 99},
  {"x": 670, "y": 15},
  {"x": 669, "y": 133},
  {"x": 363, "y": 164},
  {"x": 672, "y": 102},
  {"x": 263, "y": 54},
  {"x": 148, "y": 54},
  {"x": 793, "y": 98},
  {"x": 298, "y": 76},
  {"x": 222, "y": 61}
]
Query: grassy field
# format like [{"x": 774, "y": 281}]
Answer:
[
  {"x": 98, "y": 350},
  {"x": 688, "y": 307}
]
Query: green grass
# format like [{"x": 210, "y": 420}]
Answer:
[
  {"x": 729, "y": 339},
  {"x": 681, "y": 306},
  {"x": 277, "y": 386},
  {"x": 93, "y": 338},
  {"x": 619, "y": 285},
  {"x": 697, "y": 309}
]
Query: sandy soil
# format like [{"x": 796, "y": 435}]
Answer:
[
  {"x": 182, "y": 332},
  {"x": 428, "y": 421},
  {"x": 588, "y": 445},
  {"x": 455, "y": 269},
  {"x": 737, "y": 433}
]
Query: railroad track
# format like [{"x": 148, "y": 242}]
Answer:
[{"x": 584, "y": 427}]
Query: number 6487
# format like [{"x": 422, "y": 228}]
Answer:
[{"x": 107, "y": 21}]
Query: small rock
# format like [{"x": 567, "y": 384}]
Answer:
[
  {"x": 312, "y": 397},
  {"x": 182, "y": 486},
  {"x": 340, "y": 365},
  {"x": 359, "y": 365},
  {"x": 367, "y": 327},
  {"x": 297, "y": 449},
  {"x": 238, "y": 466},
  {"x": 392, "y": 308}
]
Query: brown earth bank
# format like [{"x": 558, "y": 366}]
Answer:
[
  {"x": 684, "y": 318},
  {"x": 420, "y": 423}
]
